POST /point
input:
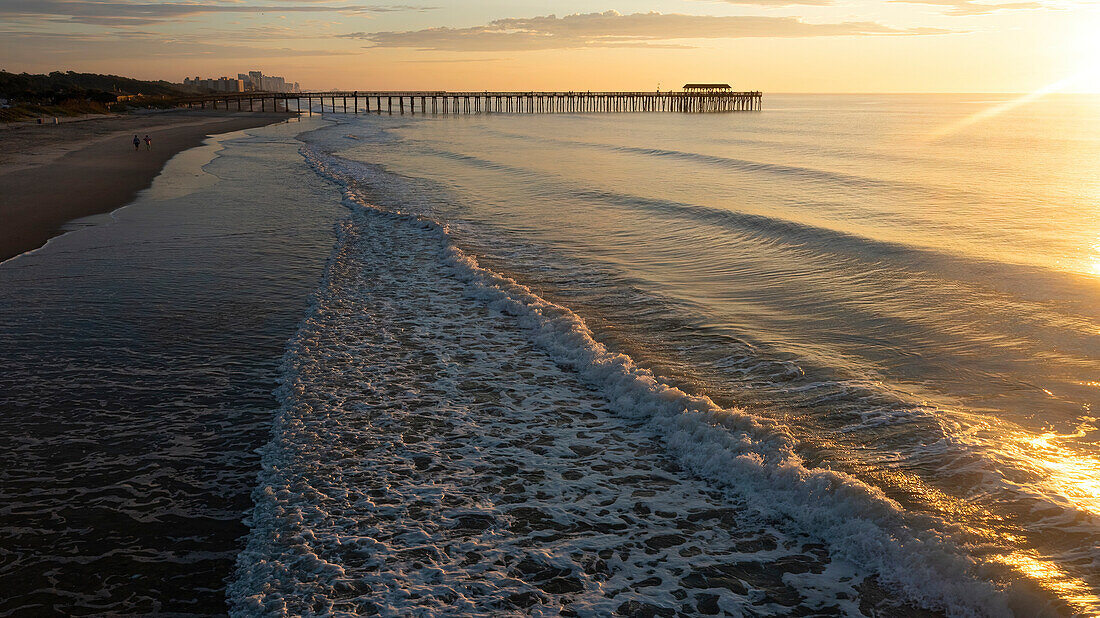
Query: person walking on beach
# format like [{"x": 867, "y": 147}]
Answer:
[
  {"x": 137, "y": 143},
  {"x": 148, "y": 142}
]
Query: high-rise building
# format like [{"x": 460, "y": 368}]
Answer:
[
  {"x": 253, "y": 80},
  {"x": 268, "y": 83},
  {"x": 222, "y": 84}
]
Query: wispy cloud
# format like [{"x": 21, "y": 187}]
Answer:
[
  {"x": 103, "y": 13},
  {"x": 451, "y": 61},
  {"x": 613, "y": 29},
  {"x": 969, "y": 7},
  {"x": 58, "y": 47}
]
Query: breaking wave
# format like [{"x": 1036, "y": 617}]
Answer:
[{"x": 752, "y": 460}]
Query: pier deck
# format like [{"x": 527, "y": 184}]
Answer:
[{"x": 438, "y": 102}]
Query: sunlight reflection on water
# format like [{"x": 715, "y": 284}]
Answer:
[{"x": 925, "y": 315}]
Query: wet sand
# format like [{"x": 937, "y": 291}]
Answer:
[
  {"x": 51, "y": 174},
  {"x": 137, "y": 363}
]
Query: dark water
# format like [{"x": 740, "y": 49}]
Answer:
[{"x": 137, "y": 360}]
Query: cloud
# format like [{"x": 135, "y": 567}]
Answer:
[
  {"x": 451, "y": 61},
  {"x": 105, "y": 13},
  {"x": 39, "y": 48},
  {"x": 969, "y": 7},
  {"x": 613, "y": 29}
]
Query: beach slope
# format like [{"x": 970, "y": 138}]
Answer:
[{"x": 51, "y": 174}]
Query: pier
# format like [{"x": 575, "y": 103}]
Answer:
[{"x": 689, "y": 100}]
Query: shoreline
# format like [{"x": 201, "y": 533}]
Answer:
[
  {"x": 138, "y": 359},
  {"x": 54, "y": 174}
]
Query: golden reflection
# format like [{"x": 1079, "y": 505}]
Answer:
[
  {"x": 1057, "y": 470},
  {"x": 1073, "y": 476},
  {"x": 1050, "y": 577},
  {"x": 917, "y": 490}
]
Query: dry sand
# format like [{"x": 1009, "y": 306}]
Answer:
[{"x": 50, "y": 174}]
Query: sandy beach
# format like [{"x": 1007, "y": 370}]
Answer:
[{"x": 51, "y": 174}]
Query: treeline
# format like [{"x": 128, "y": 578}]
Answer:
[{"x": 66, "y": 86}]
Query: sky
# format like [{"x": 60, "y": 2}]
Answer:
[{"x": 1001, "y": 46}]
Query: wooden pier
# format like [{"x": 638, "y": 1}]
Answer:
[{"x": 435, "y": 102}]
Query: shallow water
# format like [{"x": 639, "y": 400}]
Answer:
[
  {"x": 908, "y": 314},
  {"x": 137, "y": 359}
]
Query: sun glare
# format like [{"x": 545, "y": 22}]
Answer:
[
  {"x": 1000, "y": 108},
  {"x": 1086, "y": 79}
]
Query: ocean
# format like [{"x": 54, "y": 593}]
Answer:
[{"x": 838, "y": 357}]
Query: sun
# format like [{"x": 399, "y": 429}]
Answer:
[{"x": 1089, "y": 81}]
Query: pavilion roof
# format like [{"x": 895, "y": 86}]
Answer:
[{"x": 707, "y": 87}]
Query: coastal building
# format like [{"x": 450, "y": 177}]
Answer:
[
  {"x": 252, "y": 81},
  {"x": 221, "y": 84},
  {"x": 257, "y": 81}
]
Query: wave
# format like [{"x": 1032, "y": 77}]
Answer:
[
  {"x": 1021, "y": 277},
  {"x": 1022, "y": 281},
  {"x": 821, "y": 239},
  {"x": 790, "y": 171},
  {"x": 921, "y": 557}
]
